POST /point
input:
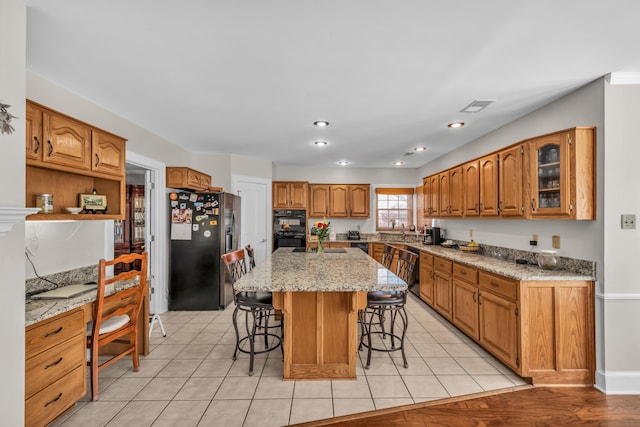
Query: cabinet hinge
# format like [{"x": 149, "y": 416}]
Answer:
[
  {"x": 521, "y": 150},
  {"x": 517, "y": 361},
  {"x": 569, "y": 139},
  {"x": 570, "y": 206},
  {"x": 152, "y": 238},
  {"x": 516, "y": 310},
  {"x": 153, "y": 185}
]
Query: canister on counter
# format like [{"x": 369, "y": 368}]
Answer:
[{"x": 45, "y": 203}]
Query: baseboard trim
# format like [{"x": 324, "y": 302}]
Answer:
[{"x": 619, "y": 382}]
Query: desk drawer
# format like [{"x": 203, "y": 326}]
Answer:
[
  {"x": 442, "y": 264},
  {"x": 499, "y": 285},
  {"x": 51, "y": 365},
  {"x": 467, "y": 273},
  {"x": 50, "y": 333},
  {"x": 46, "y": 405}
]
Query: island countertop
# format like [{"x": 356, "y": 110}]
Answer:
[{"x": 348, "y": 271}]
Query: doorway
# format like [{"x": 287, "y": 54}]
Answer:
[
  {"x": 255, "y": 194},
  {"x": 150, "y": 174}
]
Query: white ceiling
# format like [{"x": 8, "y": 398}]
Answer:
[{"x": 251, "y": 76}]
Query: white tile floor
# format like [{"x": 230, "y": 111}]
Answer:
[{"x": 189, "y": 378}]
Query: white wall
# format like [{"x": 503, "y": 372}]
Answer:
[
  {"x": 620, "y": 297},
  {"x": 12, "y": 181}
]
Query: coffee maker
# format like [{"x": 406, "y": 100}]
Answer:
[{"x": 431, "y": 236}]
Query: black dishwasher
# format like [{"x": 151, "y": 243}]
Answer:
[
  {"x": 361, "y": 245},
  {"x": 414, "y": 283}
]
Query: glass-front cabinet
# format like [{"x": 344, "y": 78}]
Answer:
[
  {"x": 551, "y": 194},
  {"x": 562, "y": 178}
]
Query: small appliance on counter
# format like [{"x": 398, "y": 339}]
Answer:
[
  {"x": 432, "y": 236},
  {"x": 353, "y": 235}
]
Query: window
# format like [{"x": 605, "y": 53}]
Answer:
[{"x": 394, "y": 208}]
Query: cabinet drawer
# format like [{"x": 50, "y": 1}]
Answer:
[
  {"x": 51, "y": 365},
  {"x": 51, "y": 333},
  {"x": 426, "y": 258},
  {"x": 46, "y": 405},
  {"x": 467, "y": 273},
  {"x": 442, "y": 264},
  {"x": 499, "y": 285}
]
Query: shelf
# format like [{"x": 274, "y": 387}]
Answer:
[
  {"x": 547, "y": 190},
  {"x": 548, "y": 165},
  {"x": 71, "y": 217}
]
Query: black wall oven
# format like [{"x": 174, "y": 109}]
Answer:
[{"x": 289, "y": 228}]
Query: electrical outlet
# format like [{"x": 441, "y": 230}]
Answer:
[
  {"x": 555, "y": 242},
  {"x": 534, "y": 240},
  {"x": 628, "y": 221},
  {"x": 534, "y": 237}
]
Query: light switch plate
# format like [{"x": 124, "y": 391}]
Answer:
[{"x": 628, "y": 221}]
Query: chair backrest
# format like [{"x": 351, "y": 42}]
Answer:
[
  {"x": 235, "y": 264},
  {"x": 250, "y": 254},
  {"x": 406, "y": 263},
  {"x": 127, "y": 301},
  {"x": 387, "y": 255}
]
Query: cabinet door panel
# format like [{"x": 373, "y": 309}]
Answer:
[
  {"x": 298, "y": 195},
  {"x": 471, "y": 178},
  {"x": 498, "y": 328},
  {"x": 443, "y": 196},
  {"x": 33, "y": 123},
  {"x": 489, "y": 186},
  {"x": 68, "y": 143},
  {"x": 108, "y": 154},
  {"x": 442, "y": 294},
  {"x": 551, "y": 187},
  {"x": 456, "y": 195},
  {"x": 359, "y": 198},
  {"x": 511, "y": 189},
  {"x": 426, "y": 282},
  {"x": 280, "y": 195},
  {"x": 318, "y": 200},
  {"x": 465, "y": 307},
  {"x": 338, "y": 201}
]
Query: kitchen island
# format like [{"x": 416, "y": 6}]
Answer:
[{"x": 319, "y": 296}]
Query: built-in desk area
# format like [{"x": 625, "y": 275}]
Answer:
[
  {"x": 320, "y": 295},
  {"x": 55, "y": 352}
]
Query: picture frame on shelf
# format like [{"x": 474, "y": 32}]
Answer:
[{"x": 93, "y": 203}]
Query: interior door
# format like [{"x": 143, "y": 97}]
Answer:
[{"x": 255, "y": 214}]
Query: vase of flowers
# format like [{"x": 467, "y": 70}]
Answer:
[{"x": 321, "y": 229}]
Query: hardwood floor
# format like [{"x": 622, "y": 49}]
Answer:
[{"x": 526, "y": 405}]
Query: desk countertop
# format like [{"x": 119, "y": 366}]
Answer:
[
  {"x": 353, "y": 270},
  {"x": 39, "y": 310}
]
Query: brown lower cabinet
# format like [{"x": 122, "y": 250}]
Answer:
[{"x": 543, "y": 330}]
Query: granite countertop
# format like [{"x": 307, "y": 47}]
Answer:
[
  {"x": 353, "y": 270},
  {"x": 38, "y": 310},
  {"x": 524, "y": 272}
]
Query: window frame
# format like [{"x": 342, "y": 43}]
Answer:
[{"x": 406, "y": 191}]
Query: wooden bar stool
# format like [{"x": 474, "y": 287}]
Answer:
[{"x": 389, "y": 305}]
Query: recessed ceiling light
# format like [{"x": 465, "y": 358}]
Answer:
[
  {"x": 321, "y": 123},
  {"x": 420, "y": 149},
  {"x": 343, "y": 163},
  {"x": 398, "y": 163},
  {"x": 320, "y": 143},
  {"x": 456, "y": 125}
]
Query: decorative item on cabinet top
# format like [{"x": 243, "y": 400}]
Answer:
[{"x": 5, "y": 119}]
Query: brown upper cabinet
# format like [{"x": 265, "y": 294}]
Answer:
[
  {"x": 562, "y": 175},
  {"x": 339, "y": 200},
  {"x": 547, "y": 177},
  {"x": 187, "y": 179},
  {"x": 66, "y": 157},
  {"x": 290, "y": 195}
]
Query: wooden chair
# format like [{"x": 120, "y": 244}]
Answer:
[
  {"x": 257, "y": 306},
  {"x": 387, "y": 255},
  {"x": 115, "y": 318},
  {"x": 389, "y": 305},
  {"x": 251, "y": 255}
]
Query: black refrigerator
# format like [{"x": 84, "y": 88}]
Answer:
[{"x": 203, "y": 226}]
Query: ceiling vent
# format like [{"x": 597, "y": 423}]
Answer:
[{"x": 477, "y": 105}]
